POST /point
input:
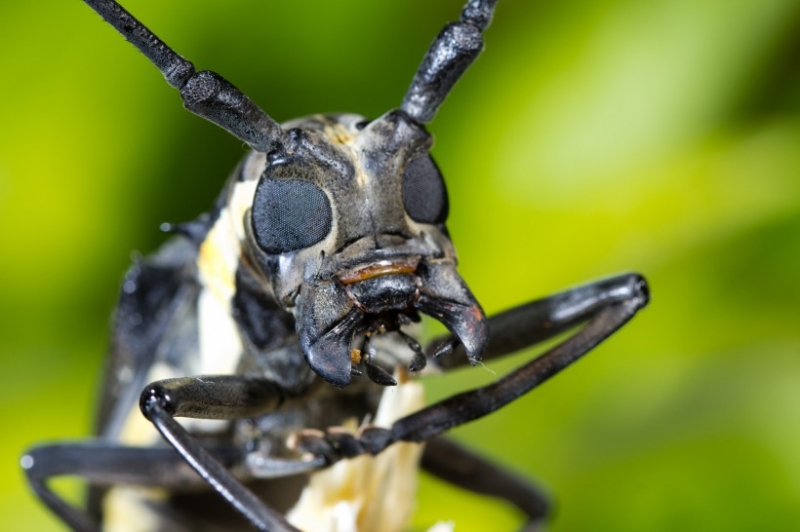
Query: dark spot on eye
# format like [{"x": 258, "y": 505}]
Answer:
[
  {"x": 361, "y": 125},
  {"x": 424, "y": 192},
  {"x": 290, "y": 214}
]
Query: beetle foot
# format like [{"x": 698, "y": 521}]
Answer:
[
  {"x": 333, "y": 444},
  {"x": 337, "y": 443}
]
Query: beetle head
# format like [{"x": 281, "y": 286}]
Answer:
[{"x": 348, "y": 224}]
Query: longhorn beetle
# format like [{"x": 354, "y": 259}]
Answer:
[{"x": 284, "y": 312}]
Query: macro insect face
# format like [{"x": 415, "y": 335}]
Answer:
[
  {"x": 348, "y": 223},
  {"x": 273, "y": 324}
]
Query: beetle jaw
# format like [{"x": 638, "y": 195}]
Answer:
[{"x": 332, "y": 316}]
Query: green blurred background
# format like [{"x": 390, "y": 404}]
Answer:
[{"x": 592, "y": 137}]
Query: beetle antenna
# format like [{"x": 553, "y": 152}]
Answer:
[
  {"x": 449, "y": 56},
  {"x": 204, "y": 93}
]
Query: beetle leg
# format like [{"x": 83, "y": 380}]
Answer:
[
  {"x": 457, "y": 465},
  {"x": 607, "y": 305},
  {"x": 540, "y": 320},
  {"x": 604, "y": 306},
  {"x": 104, "y": 463},
  {"x": 215, "y": 397}
]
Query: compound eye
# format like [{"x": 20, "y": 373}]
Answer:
[
  {"x": 424, "y": 193},
  {"x": 290, "y": 214}
]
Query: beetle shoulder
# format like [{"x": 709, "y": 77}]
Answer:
[{"x": 155, "y": 318}]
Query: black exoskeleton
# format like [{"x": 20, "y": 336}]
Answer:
[{"x": 278, "y": 317}]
